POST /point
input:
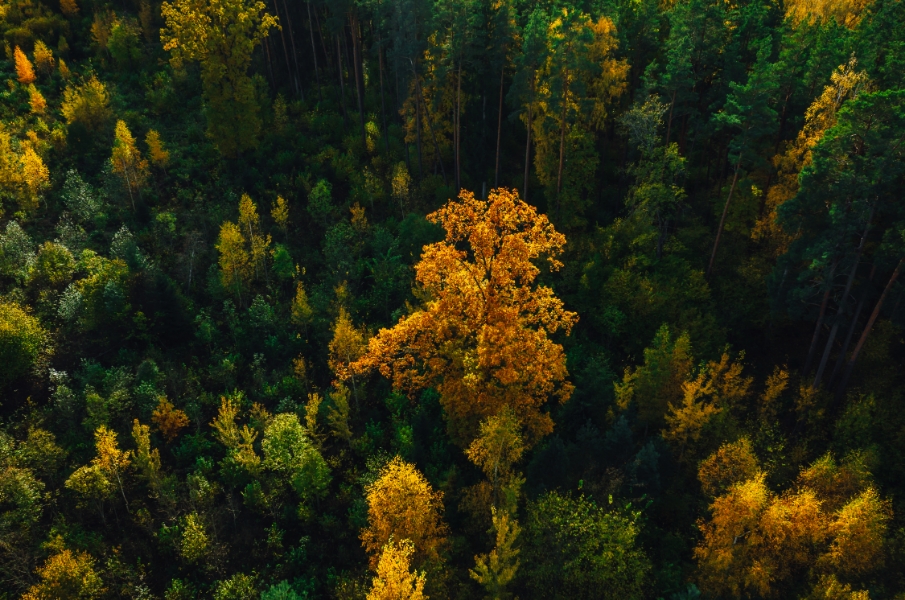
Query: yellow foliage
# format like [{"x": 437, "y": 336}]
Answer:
[
  {"x": 25, "y": 72},
  {"x": 146, "y": 459},
  {"x": 496, "y": 570},
  {"x": 346, "y": 347},
  {"x": 482, "y": 335},
  {"x": 169, "y": 420},
  {"x": 239, "y": 442},
  {"x": 67, "y": 574},
  {"x": 43, "y": 58},
  {"x": 403, "y": 506},
  {"x": 64, "y": 70},
  {"x": 497, "y": 448},
  {"x": 731, "y": 464},
  {"x": 301, "y": 311},
  {"x": 35, "y": 174},
  {"x": 236, "y": 269},
  {"x": 36, "y": 100},
  {"x": 394, "y": 580},
  {"x": 831, "y": 522},
  {"x": 88, "y": 104},
  {"x": 100, "y": 478},
  {"x": 250, "y": 225},
  {"x": 126, "y": 159},
  {"x": 846, "y": 82},
  {"x": 160, "y": 156},
  {"x": 280, "y": 213},
  {"x": 844, "y": 12},
  {"x": 338, "y": 414},
  {"x": 195, "y": 541}
]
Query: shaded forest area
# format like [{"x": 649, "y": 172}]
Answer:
[{"x": 398, "y": 299}]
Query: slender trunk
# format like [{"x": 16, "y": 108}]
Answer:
[
  {"x": 430, "y": 128},
  {"x": 851, "y": 330},
  {"x": 295, "y": 54},
  {"x": 562, "y": 143},
  {"x": 418, "y": 129},
  {"x": 499, "y": 128},
  {"x": 359, "y": 79},
  {"x": 672, "y": 103},
  {"x": 383, "y": 107},
  {"x": 719, "y": 231},
  {"x": 459, "y": 128},
  {"x": 528, "y": 140},
  {"x": 317, "y": 73},
  {"x": 867, "y": 329},
  {"x": 820, "y": 316},
  {"x": 267, "y": 60},
  {"x": 320, "y": 34},
  {"x": 342, "y": 85},
  {"x": 841, "y": 309},
  {"x": 293, "y": 75}
]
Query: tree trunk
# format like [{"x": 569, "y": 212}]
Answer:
[
  {"x": 851, "y": 330},
  {"x": 383, "y": 106},
  {"x": 719, "y": 231},
  {"x": 459, "y": 128},
  {"x": 672, "y": 104},
  {"x": 295, "y": 54},
  {"x": 867, "y": 330},
  {"x": 562, "y": 142},
  {"x": 528, "y": 140},
  {"x": 430, "y": 128},
  {"x": 342, "y": 85},
  {"x": 499, "y": 128},
  {"x": 820, "y": 316},
  {"x": 840, "y": 311},
  {"x": 317, "y": 74},
  {"x": 359, "y": 79}
]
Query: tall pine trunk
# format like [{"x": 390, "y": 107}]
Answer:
[
  {"x": 840, "y": 311},
  {"x": 528, "y": 139},
  {"x": 840, "y": 360},
  {"x": 499, "y": 128},
  {"x": 867, "y": 329},
  {"x": 820, "y": 317},
  {"x": 719, "y": 231},
  {"x": 359, "y": 79}
]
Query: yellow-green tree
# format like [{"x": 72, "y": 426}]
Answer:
[
  {"x": 127, "y": 161},
  {"x": 483, "y": 334},
  {"x": 87, "y": 104},
  {"x": 221, "y": 35},
  {"x": 100, "y": 479},
  {"x": 236, "y": 269},
  {"x": 22, "y": 339}
]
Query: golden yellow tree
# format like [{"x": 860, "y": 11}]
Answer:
[
  {"x": 394, "y": 579},
  {"x": 25, "y": 72},
  {"x": 280, "y": 213},
  {"x": 831, "y": 522},
  {"x": 250, "y": 224},
  {"x": 160, "y": 156},
  {"x": 346, "y": 347},
  {"x": 35, "y": 176},
  {"x": 845, "y": 12},
  {"x": 67, "y": 574},
  {"x": 482, "y": 335},
  {"x": 127, "y": 161},
  {"x": 104, "y": 474},
  {"x": 403, "y": 506}
]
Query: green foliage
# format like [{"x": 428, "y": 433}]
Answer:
[{"x": 572, "y": 548}]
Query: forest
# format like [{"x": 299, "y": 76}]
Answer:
[{"x": 452, "y": 299}]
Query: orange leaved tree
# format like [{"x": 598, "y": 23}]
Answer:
[{"x": 482, "y": 334}]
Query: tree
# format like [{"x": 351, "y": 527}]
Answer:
[
  {"x": 482, "y": 335},
  {"x": 127, "y": 161},
  {"x": 749, "y": 114},
  {"x": 289, "y": 453},
  {"x": 43, "y": 58},
  {"x": 496, "y": 570},
  {"x": 100, "y": 479},
  {"x": 88, "y": 104},
  {"x": 67, "y": 574},
  {"x": 403, "y": 506},
  {"x": 657, "y": 384},
  {"x": 222, "y": 35},
  {"x": 25, "y": 72},
  {"x": 573, "y": 548},
  {"x": 160, "y": 156},
  {"x": 346, "y": 347},
  {"x": 169, "y": 419},
  {"x": 832, "y": 521},
  {"x": 496, "y": 449},
  {"x": 22, "y": 340},
  {"x": 394, "y": 580}
]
